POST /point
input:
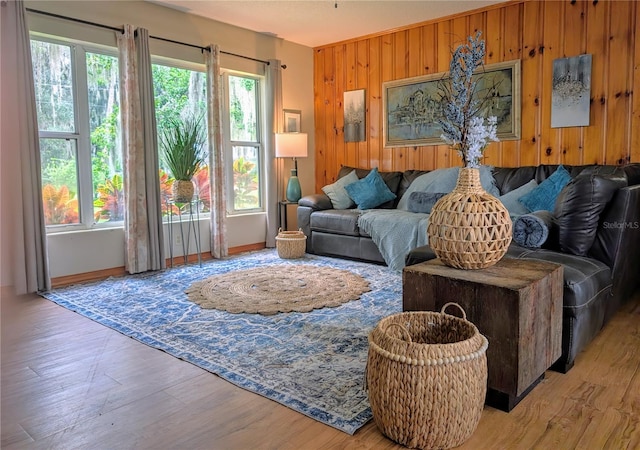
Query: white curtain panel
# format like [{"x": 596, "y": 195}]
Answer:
[
  {"x": 138, "y": 142},
  {"x": 275, "y": 171},
  {"x": 217, "y": 184},
  {"x": 21, "y": 198}
]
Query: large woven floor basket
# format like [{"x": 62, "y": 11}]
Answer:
[
  {"x": 291, "y": 244},
  {"x": 469, "y": 228},
  {"x": 427, "y": 378}
]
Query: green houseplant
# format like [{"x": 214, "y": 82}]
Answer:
[{"x": 182, "y": 143}]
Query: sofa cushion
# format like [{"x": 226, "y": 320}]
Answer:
[
  {"x": 408, "y": 177},
  {"x": 584, "y": 278},
  {"x": 578, "y": 208},
  {"x": 439, "y": 180},
  {"x": 444, "y": 180},
  {"x": 632, "y": 172},
  {"x": 544, "y": 196},
  {"x": 391, "y": 179},
  {"x": 370, "y": 192},
  {"x": 337, "y": 192},
  {"x": 341, "y": 221},
  {"x": 510, "y": 199},
  {"x": 510, "y": 178},
  {"x": 422, "y": 202}
]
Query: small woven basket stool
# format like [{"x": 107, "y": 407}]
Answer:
[
  {"x": 291, "y": 244},
  {"x": 427, "y": 378}
]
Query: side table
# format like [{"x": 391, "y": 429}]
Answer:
[
  {"x": 284, "y": 204},
  {"x": 516, "y": 304}
]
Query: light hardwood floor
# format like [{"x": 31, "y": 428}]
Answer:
[{"x": 70, "y": 383}]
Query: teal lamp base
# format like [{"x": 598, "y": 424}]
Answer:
[{"x": 294, "y": 192}]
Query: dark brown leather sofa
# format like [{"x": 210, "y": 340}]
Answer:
[{"x": 596, "y": 284}]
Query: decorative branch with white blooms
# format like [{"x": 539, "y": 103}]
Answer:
[{"x": 462, "y": 127}]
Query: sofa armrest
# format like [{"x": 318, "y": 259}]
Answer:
[
  {"x": 618, "y": 240},
  {"x": 316, "y": 202},
  {"x": 304, "y": 223},
  {"x": 307, "y": 205}
]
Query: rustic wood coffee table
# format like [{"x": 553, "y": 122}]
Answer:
[{"x": 516, "y": 304}]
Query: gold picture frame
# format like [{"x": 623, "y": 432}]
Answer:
[{"x": 412, "y": 106}]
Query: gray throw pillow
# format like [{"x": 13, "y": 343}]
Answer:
[
  {"x": 422, "y": 202},
  {"x": 510, "y": 199},
  {"x": 337, "y": 193}
]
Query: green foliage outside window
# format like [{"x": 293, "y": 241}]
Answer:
[
  {"x": 60, "y": 206},
  {"x": 245, "y": 182},
  {"x": 110, "y": 202},
  {"x": 60, "y": 172}
]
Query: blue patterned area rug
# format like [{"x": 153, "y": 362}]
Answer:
[{"x": 311, "y": 362}]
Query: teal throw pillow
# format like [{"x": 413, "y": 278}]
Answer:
[
  {"x": 510, "y": 199},
  {"x": 544, "y": 196},
  {"x": 369, "y": 192},
  {"x": 337, "y": 193}
]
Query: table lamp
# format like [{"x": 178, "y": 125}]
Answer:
[{"x": 292, "y": 145}]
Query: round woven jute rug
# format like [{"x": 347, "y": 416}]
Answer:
[{"x": 278, "y": 288}]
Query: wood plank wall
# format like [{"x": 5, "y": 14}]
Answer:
[{"x": 536, "y": 32}]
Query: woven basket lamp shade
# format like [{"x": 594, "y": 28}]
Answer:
[{"x": 469, "y": 228}]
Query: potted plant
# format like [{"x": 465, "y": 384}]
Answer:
[{"x": 182, "y": 143}]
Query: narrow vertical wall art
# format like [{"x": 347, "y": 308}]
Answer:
[
  {"x": 354, "y": 117},
  {"x": 570, "y": 96}
]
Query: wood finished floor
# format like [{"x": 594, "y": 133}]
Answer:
[{"x": 70, "y": 383}]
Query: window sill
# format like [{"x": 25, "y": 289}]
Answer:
[
  {"x": 72, "y": 229},
  {"x": 246, "y": 214}
]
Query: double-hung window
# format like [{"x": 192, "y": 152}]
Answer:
[
  {"x": 77, "y": 102},
  {"x": 244, "y": 150},
  {"x": 180, "y": 94}
]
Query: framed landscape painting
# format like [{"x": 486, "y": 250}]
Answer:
[{"x": 413, "y": 106}]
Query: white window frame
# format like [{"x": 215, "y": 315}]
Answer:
[
  {"x": 185, "y": 65},
  {"x": 228, "y": 144},
  {"x": 81, "y": 135}
]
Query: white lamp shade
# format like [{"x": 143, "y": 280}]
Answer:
[{"x": 291, "y": 145}]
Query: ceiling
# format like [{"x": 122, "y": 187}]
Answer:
[{"x": 319, "y": 22}]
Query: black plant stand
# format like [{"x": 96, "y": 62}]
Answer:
[{"x": 188, "y": 216}]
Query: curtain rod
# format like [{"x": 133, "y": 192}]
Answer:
[
  {"x": 86, "y": 22},
  {"x": 121, "y": 30}
]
